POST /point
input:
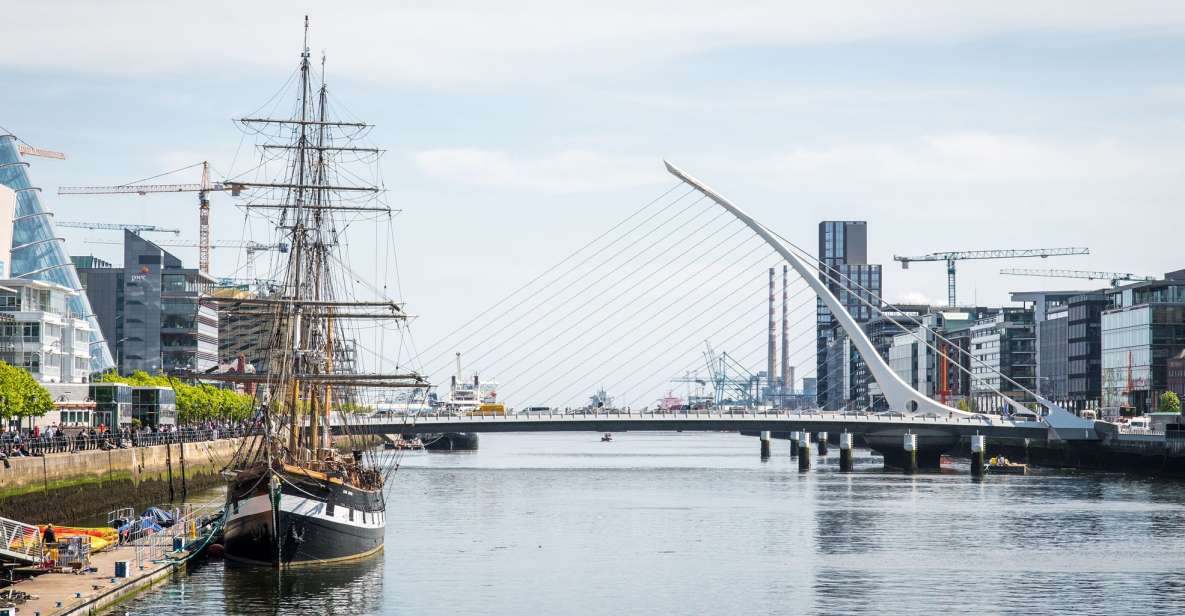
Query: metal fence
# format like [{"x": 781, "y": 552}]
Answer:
[{"x": 14, "y": 446}]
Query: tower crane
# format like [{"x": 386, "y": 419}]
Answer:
[
  {"x": 202, "y": 188},
  {"x": 1114, "y": 277},
  {"x": 951, "y": 257},
  {"x": 247, "y": 246},
  {"x": 74, "y": 224}
]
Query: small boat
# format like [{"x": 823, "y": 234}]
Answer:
[
  {"x": 607, "y": 437},
  {"x": 999, "y": 465}
]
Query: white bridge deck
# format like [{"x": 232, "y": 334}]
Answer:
[{"x": 781, "y": 422}]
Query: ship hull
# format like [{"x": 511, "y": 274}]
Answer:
[{"x": 318, "y": 521}]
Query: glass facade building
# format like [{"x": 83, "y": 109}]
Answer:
[
  {"x": 38, "y": 253},
  {"x": 843, "y": 379},
  {"x": 150, "y": 307},
  {"x": 1003, "y": 345},
  {"x": 1143, "y": 329}
]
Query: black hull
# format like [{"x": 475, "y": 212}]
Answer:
[
  {"x": 318, "y": 522},
  {"x": 450, "y": 441}
]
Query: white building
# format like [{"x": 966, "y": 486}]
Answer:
[{"x": 38, "y": 332}]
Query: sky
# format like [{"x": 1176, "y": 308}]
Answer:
[{"x": 517, "y": 130}]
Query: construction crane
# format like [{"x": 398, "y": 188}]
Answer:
[
  {"x": 951, "y": 257},
  {"x": 247, "y": 246},
  {"x": 202, "y": 188},
  {"x": 1114, "y": 277},
  {"x": 28, "y": 150},
  {"x": 74, "y": 224}
]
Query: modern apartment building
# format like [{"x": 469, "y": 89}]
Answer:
[{"x": 40, "y": 333}]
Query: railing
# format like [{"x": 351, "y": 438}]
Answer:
[
  {"x": 152, "y": 545},
  {"x": 21, "y": 541},
  {"x": 842, "y": 417},
  {"x": 22, "y": 446}
]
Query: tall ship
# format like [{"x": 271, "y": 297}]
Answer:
[{"x": 303, "y": 489}]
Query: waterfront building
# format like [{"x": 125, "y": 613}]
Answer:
[
  {"x": 844, "y": 268},
  {"x": 149, "y": 308},
  {"x": 242, "y": 336},
  {"x": 917, "y": 355},
  {"x": 1141, "y": 331},
  {"x": 1175, "y": 369},
  {"x": 1051, "y": 327},
  {"x": 154, "y": 406},
  {"x": 1004, "y": 358},
  {"x": 41, "y": 332},
  {"x": 37, "y": 252},
  {"x": 1084, "y": 350},
  {"x": 113, "y": 404}
]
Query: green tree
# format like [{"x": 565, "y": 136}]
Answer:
[
  {"x": 1170, "y": 402},
  {"x": 21, "y": 395}
]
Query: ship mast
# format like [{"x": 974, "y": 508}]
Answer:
[{"x": 302, "y": 380}]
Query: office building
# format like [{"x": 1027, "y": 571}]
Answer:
[
  {"x": 844, "y": 268},
  {"x": 1004, "y": 359},
  {"x": 932, "y": 355},
  {"x": 150, "y": 310},
  {"x": 1141, "y": 331},
  {"x": 1051, "y": 327},
  {"x": 1084, "y": 350},
  {"x": 37, "y": 252}
]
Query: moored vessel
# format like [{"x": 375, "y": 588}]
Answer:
[{"x": 301, "y": 489}]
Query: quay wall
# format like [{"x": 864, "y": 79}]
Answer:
[
  {"x": 66, "y": 488},
  {"x": 1109, "y": 455}
]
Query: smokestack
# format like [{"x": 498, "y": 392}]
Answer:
[
  {"x": 787, "y": 371},
  {"x": 773, "y": 340}
]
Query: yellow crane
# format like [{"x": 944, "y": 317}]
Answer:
[{"x": 202, "y": 188}]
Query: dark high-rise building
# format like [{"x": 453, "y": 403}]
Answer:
[
  {"x": 1084, "y": 355},
  {"x": 149, "y": 310},
  {"x": 844, "y": 268}
]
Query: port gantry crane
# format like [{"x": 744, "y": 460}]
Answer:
[
  {"x": 1114, "y": 277},
  {"x": 951, "y": 257},
  {"x": 203, "y": 189}
]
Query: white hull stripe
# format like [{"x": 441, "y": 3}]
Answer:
[{"x": 309, "y": 508}]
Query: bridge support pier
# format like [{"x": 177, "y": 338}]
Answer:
[
  {"x": 804, "y": 451},
  {"x": 910, "y": 449},
  {"x": 822, "y": 436},
  {"x": 765, "y": 444},
  {"x": 845, "y": 452},
  {"x": 794, "y": 444},
  {"x": 978, "y": 455}
]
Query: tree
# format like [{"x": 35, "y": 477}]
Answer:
[
  {"x": 21, "y": 395},
  {"x": 1170, "y": 402}
]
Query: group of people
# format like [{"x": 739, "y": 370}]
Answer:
[{"x": 57, "y": 439}]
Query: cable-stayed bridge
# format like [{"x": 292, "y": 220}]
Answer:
[{"x": 629, "y": 311}]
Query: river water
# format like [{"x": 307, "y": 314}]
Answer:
[{"x": 697, "y": 524}]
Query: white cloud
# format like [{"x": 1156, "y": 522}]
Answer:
[{"x": 468, "y": 43}]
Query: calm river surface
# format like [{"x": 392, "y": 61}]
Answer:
[{"x": 697, "y": 524}]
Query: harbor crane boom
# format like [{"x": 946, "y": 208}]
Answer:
[
  {"x": 202, "y": 188},
  {"x": 951, "y": 257},
  {"x": 105, "y": 226},
  {"x": 1114, "y": 277}
]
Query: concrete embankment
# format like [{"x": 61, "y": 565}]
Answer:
[{"x": 66, "y": 487}]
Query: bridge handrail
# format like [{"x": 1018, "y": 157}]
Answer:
[{"x": 21, "y": 541}]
